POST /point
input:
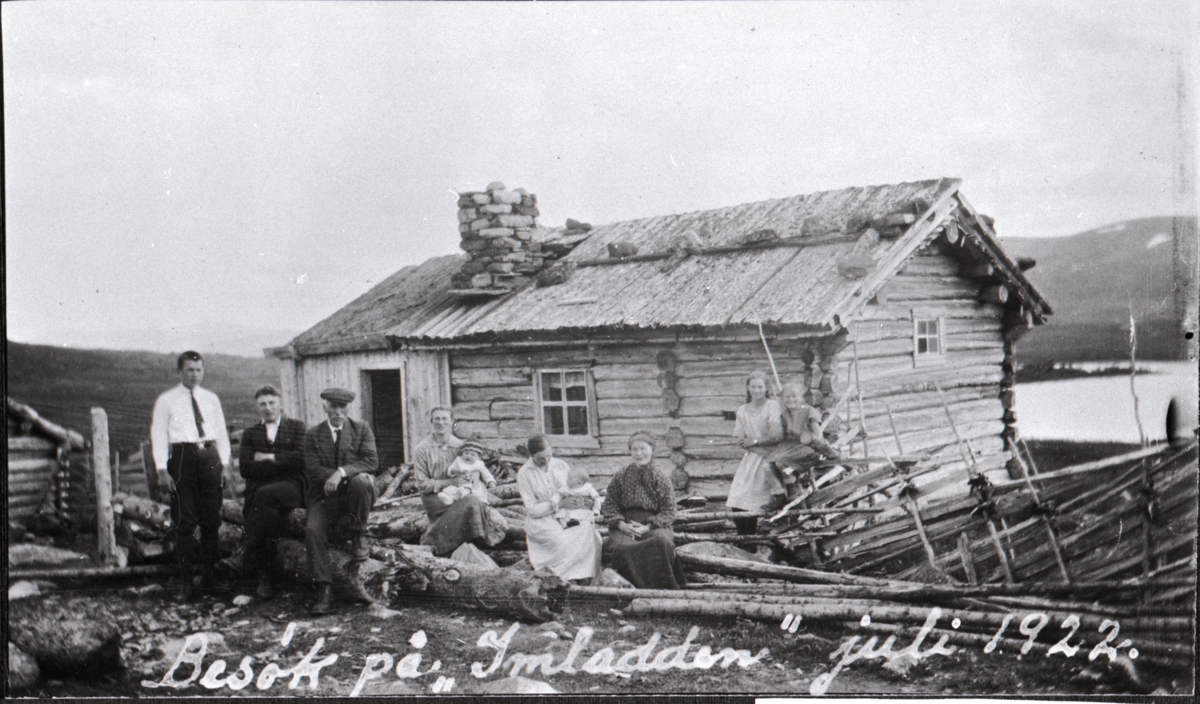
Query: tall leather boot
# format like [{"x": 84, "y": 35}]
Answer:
[
  {"x": 359, "y": 552},
  {"x": 324, "y": 603},
  {"x": 209, "y": 554},
  {"x": 355, "y": 591}
]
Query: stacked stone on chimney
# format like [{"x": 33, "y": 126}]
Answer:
[{"x": 497, "y": 228}]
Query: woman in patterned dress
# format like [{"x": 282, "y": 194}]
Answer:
[{"x": 639, "y": 508}]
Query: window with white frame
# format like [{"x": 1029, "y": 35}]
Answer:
[
  {"x": 929, "y": 338},
  {"x": 566, "y": 403}
]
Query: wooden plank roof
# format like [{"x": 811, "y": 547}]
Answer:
[{"x": 793, "y": 281}]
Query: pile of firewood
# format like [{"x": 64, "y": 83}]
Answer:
[{"x": 142, "y": 527}]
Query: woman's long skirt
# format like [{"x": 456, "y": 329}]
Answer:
[
  {"x": 570, "y": 553},
  {"x": 753, "y": 484},
  {"x": 648, "y": 562}
]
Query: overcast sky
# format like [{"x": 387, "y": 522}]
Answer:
[{"x": 225, "y": 175}]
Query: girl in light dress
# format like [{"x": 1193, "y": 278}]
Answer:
[{"x": 756, "y": 485}]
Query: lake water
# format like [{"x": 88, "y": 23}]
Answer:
[{"x": 1101, "y": 409}]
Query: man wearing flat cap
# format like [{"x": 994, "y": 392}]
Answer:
[{"x": 340, "y": 463}]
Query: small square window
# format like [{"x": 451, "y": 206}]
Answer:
[
  {"x": 928, "y": 337},
  {"x": 929, "y": 341},
  {"x": 567, "y": 403}
]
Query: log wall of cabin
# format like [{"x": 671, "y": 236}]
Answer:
[
  {"x": 494, "y": 400},
  {"x": 970, "y": 374},
  {"x": 33, "y": 462}
]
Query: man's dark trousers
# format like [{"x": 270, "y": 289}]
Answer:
[
  {"x": 196, "y": 472},
  {"x": 355, "y": 497},
  {"x": 267, "y": 514}
]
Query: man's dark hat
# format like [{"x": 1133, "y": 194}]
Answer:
[{"x": 336, "y": 395}]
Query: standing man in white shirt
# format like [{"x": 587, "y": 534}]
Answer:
[{"x": 191, "y": 450}]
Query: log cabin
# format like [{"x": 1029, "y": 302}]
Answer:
[
  {"x": 895, "y": 305},
  {"x": 48, "y": 470}
]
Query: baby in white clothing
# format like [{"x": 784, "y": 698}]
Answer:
[
  {"x": 578, "y": 484},
  {"x": 469, "y": 474}
]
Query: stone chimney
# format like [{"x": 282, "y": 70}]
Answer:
[{"x": 500, "y": 232}]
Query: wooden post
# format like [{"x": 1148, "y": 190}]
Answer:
[
  {"x": 116, "y": 472},
  {"x": 104, "y": 513},
  {"x": 1062, "y": 566},
  {"x": 862, "y": 420},
  {"x": 964, "y": 554}
]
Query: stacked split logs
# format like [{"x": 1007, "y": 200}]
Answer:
[{"x": 142, "y": 527}]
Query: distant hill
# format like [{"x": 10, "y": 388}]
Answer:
[
  {"x": 1091, "y": 280},
  {"x": 64, "y": 383}
]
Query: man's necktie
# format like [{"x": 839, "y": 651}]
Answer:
[
  {"x": 199, "y": 417},
  {"x": 337, "y": 436}
]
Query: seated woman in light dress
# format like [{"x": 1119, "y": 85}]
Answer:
[{"x": 571, "y": 553}]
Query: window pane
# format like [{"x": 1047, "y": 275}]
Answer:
[
  {"x": 922, "y": 328},
  {"x": 553, "y": 418},
  {"x": 922, "y": 345},
  {"x": 576, "y": 388},
  {"x": 552, "y": 387},
  {"x": 932, "y": 327},
  {"x": 933, "y": 344},
  {"x": 577, "y": 420}
]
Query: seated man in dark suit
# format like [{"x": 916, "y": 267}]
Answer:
[
  {"x": 340, "y": 465},
  {"x": 271, "y": 459}
]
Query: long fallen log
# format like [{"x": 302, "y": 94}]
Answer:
[
  {"x": 919, "y": 592},
  {"x": 814, "y": 609},
  {"x": 409, "y": 570},
  {"x": 1149, "y": 652},
  {"x": 291, "y": 558},
  {"x": 745, "y": 568},
  {"x": 685, "y": 538},
  {"x": 91, "y": 572},
  {"x": 536, "y": 596}
]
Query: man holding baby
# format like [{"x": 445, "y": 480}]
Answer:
[{"x": 453, "y": 489}]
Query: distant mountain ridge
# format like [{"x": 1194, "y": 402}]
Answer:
[
  {"x": 1093, "y": 279},
  {"x": 64, "y": 383}
]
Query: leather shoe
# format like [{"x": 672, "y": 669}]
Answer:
[
  {"x": 324, "y": 603},
  {"x": 358, "y": 548},
  {"x": 357, "y": 594},
  {"x": 264, "y": 591}
]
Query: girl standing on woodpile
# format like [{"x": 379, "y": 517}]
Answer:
[
  {"x": 639, "y": 508},
  {"x": 802, "y": 424},
  {"x": 571, "y": 553},
  {"x": 756, "y": 485}
]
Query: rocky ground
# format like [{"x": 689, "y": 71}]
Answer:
[{"x": 426, "y": 647}]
